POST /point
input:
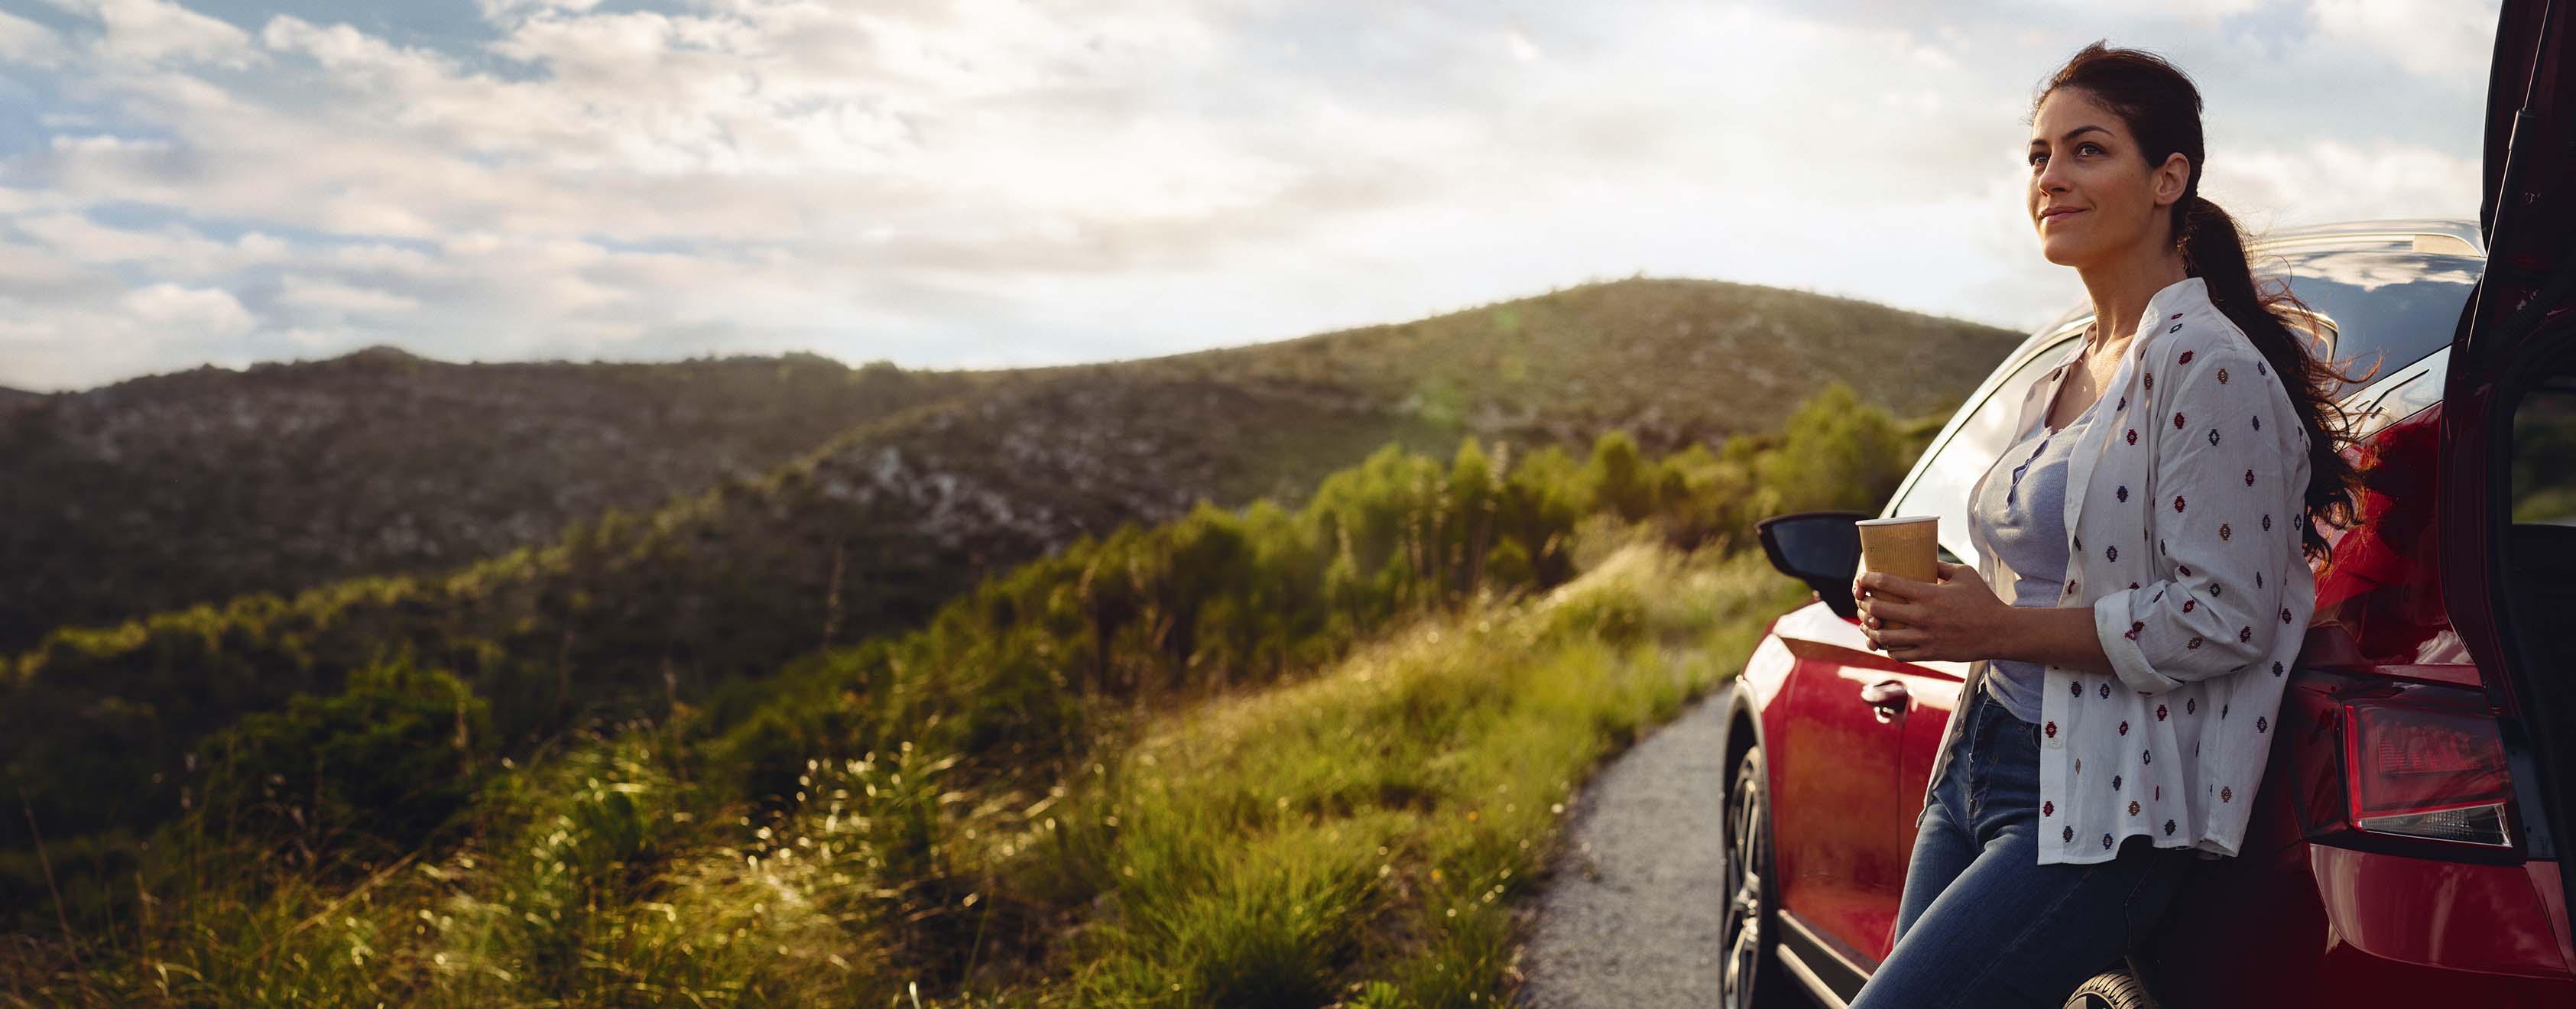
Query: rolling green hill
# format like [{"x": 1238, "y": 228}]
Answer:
[
  {"x": 1670, "y": 361},
  {"x": 159, "y": 493}
]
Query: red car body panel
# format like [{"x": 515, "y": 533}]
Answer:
[{"x": 1853, "y": 836}]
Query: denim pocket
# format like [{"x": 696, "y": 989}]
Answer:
[{"x": 1981, "y": 755}]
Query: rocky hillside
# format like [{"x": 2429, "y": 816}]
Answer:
[{"x": 161, "y": 492}]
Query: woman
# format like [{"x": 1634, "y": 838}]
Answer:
[{"x": 2153, "y": 530}]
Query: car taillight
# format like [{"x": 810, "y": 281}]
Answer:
[{"x": 2417, "y": 766}]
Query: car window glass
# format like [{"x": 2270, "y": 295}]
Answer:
[
  {"x": 2389, "y": 305},
  {"x": 1943, "y": 487},
  {"x": 2544, "y": 455},
  {"x": 2540, "y": 545}
]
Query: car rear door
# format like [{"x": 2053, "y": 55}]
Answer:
[{"x": 2508, "y": 484}]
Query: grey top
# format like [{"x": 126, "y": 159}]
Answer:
[{"x": 2025, "y": 518}]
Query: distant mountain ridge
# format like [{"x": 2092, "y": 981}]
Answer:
[
  {"x": 1671, "y": 361},
  {"x": 161, "y": 492},
  {"x": 164, "y": 491}
]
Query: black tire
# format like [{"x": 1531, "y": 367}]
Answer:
[
  {"x": 1750, "y": 975},
  {"x": 2111, "y": 989}
]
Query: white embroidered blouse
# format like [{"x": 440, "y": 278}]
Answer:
[{"x": 2182, "y": 511}]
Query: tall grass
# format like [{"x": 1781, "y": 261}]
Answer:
[
  {"x": 1358, "y": 838},
  {"x": 1362, "y": 837}
]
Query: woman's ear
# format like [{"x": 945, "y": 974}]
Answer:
[{"x": 2172, "y": 179}]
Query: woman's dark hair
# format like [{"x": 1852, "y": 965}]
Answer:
[{"x": 2162, "y": 110}]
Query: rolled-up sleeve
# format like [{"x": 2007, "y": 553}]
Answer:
[{"x": 2230, "y": 475}]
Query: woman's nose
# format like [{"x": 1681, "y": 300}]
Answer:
[
  {"x": 2044, "y": 195},
  {"x": 2047, "y": 181}
]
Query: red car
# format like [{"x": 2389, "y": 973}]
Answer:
[{"x": 2407, "y": 846}]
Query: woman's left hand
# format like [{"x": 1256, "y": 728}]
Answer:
[{"x": 1955, "y": 619}]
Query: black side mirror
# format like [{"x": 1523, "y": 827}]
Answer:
[{"x": 1821, "y": 549}]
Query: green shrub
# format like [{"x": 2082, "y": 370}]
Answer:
[{"x": 382, "y": 765}]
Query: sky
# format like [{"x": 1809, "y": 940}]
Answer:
[{"x": 990, "y": 183}]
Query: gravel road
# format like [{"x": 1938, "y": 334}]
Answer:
[{"x": 1629, "y": 915}]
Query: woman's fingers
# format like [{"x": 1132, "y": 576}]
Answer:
[
  {"x": 1880, "y": 583},
  {"x": 1896, "y": 640},
  {"x": 1901, "y": 612}
]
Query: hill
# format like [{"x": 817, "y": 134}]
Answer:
[
  {"x": 1672, "y": 362},
  {"x": 165, "y": 491},
  {"x": 159, "y": 493}
]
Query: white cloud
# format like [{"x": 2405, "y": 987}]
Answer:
[
  {"x": 337, "y": 299},
  {"x": 201, "y": 311},
  {"x": 2429, "y": 38},
  {"x": 2334, "y": 180},
  {"x": 26, "y": 42},
  {"x": 499, "y": 9},
  {"x": 174, "y": 250},
  {"x": 148, "y": 31}
]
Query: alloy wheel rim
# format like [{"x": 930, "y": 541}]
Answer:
[{"x": 1743, "y": 921}]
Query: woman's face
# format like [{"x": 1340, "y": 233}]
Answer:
[{"x": 2084, "y": 162}]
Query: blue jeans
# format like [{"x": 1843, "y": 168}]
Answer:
[{"x": 1981, "y": 922}]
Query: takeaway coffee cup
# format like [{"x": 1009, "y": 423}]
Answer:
[{"x": 1906, "y": 546}]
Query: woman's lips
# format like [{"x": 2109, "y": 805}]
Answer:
[{"x": 2059, "y": 215}]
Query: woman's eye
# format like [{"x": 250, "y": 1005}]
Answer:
[{"x": 2036, "y": 156}]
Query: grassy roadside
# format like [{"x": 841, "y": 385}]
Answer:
[{"x": 1363, "y": 838}]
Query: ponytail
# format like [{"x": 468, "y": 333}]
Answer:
[{"x": 2213, "y": 249}]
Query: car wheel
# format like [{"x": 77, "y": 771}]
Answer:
[
  {"x": 2111, "y": 989},
  {"x": 1752, "y": 977}
]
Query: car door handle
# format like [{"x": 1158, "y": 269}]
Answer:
[{"x": 1888, "y": 697}]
